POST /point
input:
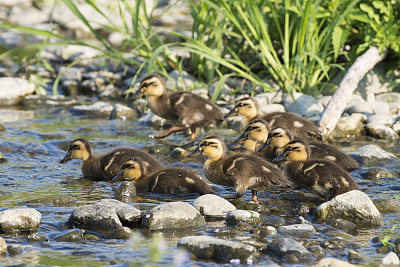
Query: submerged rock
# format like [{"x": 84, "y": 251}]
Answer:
[
  {"x": 387, "y": 205},
  {"x": 13, "y": 89},
  {"x": 290, "y": 250},
  {"x": 217, "y": 249},
  {"x": 247, "y": 216},
  {"x": 94, "y": 217},
  {"x": 63, "y": 200},
  {"x": 20, "y": 219},
  {"x": 354, "y": 206},
  {"x": 97, "y": 109},
  {"x": 213, "y": 206},
  {"x": 370, "y": 155},
  {"x": 126, "y": 192},
  {"x": 128, "y": 215},
  {"x": 297, "y": 229},
  {"x": 120, "y": 233},
  {"x": 173, "y": 215},
  {"x": 72, "y": 235}
]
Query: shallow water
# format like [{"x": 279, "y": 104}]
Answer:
[{"x": 35, "y": 146}]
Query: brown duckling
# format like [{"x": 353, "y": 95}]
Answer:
[
  {"x": 280, "y": 136},
  {"x": 239, "y": 170},
  {"x": 298, "y": 125},
  {"x": 253, "y": 137},
  {"x": 106, "y": 166},
  {"x": 169, "y": 180},
  {"x": 321, "y": 177},
  {"x": 190, "y": 110}
]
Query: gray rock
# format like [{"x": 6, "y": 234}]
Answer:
[
  {"x": 331, "y": 262},
  {"x": 324, "y": 100},
  {"x": 20, "y": 219},
  {"x": 218, "y": 249},
  {"x": 128, "y": 215},
  {"x": 181, "y": 80},
  {"x": 70, "y": 73},
  {"x": 344, "y": 225},
  {"x": 297, "y": 229},
  {"x": 13, "y": 89},
  {"x": 381, "y": 131},
  {"x": 16, "y": 3},
  {"x": 213, "y": 206},
  {"x": 152, "y": 119},
  {"x": 269, "y": 98},
  {"x": 63, "y": 200},
  {"x": 384, "y": 119},
  {"x": 3, "y": 245},
  {"x": 173, "y": 215},
  {"x": 72, "y": 235},
  {"x": 273, "y": 220},
  {"x": 27, "y": 16},
  {"x": 376, "y": 173},
  {"x": 36, "y": 237},
  {"x": 354, "y": 206},
  {"x": 317, "y": 251},
  {"x": 14, "y": 250},
  {"x": 371, "y": 155},
  {"x": 391, "y": 259},
  {"x": 97, "y": 109},
  {"x": 77, "y": 52},
  {"x": 122, "y": 112},
  {"x": 126, "y": 192},
  {"x": 264, "y": 230},
  {"x": 178, "y": 153},
  {"x": 392, "y": 98},
  {"x": 350, "y": 126},
  {"x": 94, "y": 217},
  {"x": 116, "y": 39},
  {"x": 396, "y": 127},
  {"x": 387, "y": 205},
  {"x": 302, "y": 104},
  {"x": 265, "y": 109},
  {"x": 290, "y": 250},
  {"x": 369, "y": 107},
  {"x": 247, "y": 216},
  {"x": 120, "y": 233}
]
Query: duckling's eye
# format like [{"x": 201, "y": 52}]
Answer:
[
  {"x": 128, "y": 165},
  {"x": 76, "y": 147},
  {"x": 147, "y": 84}
]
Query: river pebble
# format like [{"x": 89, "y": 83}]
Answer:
[
  {"x": 297, "y": 230},
  {"x": 354, "y": 206},
  {"x": 331, "y": 262},
  {"x": 237, "y": 216},
  {"x": 122, "y": 232},
  {"x": 213, "y": 206},
  {"x": 217, "y": 249},
  {"x": 3, "y": 245},
  {"x": 94, "y": 217},
  {"x": 372, "y": 155},
  {"x": 128, "y": 215},
  {"x": 20, "y": 219},
  {"x": 173, "y": 215},
  {"x": 264, "y": 230},
  {"x": 72, "y": 235},
  {"x": 20, "y": 88},
  {"x": 63, "y": 200},
  {"x": 290, "y": 250},
  {"x": 350, "y": 126}
]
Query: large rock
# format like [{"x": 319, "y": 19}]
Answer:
[
  {"x": 13, "y": 89},
  {"x": 213, "y": 206},
  {"x": 370, "y": 107},
  {"x": 379, "y": 130},
  {"x": 350, "y": 126},
  {"x": 354, "y": 206},
  {"x": 217, "y": 249},
  {"x": 290, "y": 250},
  {"x": 246, "y": 216},
  {"x": 173, "y": 215},
  {"x": 20, "y": 220},
  {"x": 302, "y": 104},
  {"x": 370, "y": 155},
  {"x": 128, "y": 215},
  {"x": 94, "y": 217}
]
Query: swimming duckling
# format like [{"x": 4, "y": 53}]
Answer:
[
  {"x": 253, "y": 137},
  {"x": 239, "y": 170},
  {"x": 167, "y": 180},
  {"x": 280, "y": 136},
  {"x": 190, "y": 110},
  {"x": 106, "y": 166},
  {"x": 321, "y": 177},
  {"x": 298, "y": 125}
]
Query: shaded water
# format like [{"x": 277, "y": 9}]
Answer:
[{"x": 34, "y": 148}]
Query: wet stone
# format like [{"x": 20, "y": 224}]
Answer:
[
  {"x": 63, "y": 200},
  {"x": 20, "y": 88},
  {"x": 350, "y": 126},
  {"x": 120, "y": 233},
  {"x": 317, "y": 251},
  {"x": 332, "y": 263},
  {"x": 173, "y": 215},
  {"x": 387, "y": 205},
  {"x": 391, "y": 259},
  {"x": 237, "y": 216},
  {"x": 36, "y": 237},
  {"x": 214, "y": 206},
  {"x": 20, "y": 220},
  {"x": 335, "y": 243},
  {"x": 95, "y": 110},
  {"x": 126, "y": 192},
  {"x": 381, "y": 131},
  {"x": 354, "y": 206},
  {"x": 372, "y": 155},
  {"x": 243, "y": 205},
  {"x": 14, "y": 250},
  {"x": 343, "y": 225},
  {"x": 128, "y": 215},
  {"x": 290, "y": 250},
  {"x": 297, "y": 230},
  {"x": 3, "y": 245},
  {"x": 217, "y": 249},
  {"x": 264, "y": 230},
  {"x": 376, "y": 173},
  {"x": 272, "y": 220},
  {"x": 72, "y": 235},
  {"x": 355, "y": 257},
  {"x": 94, "y": 217}
]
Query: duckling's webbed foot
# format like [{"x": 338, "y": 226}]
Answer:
[
  {"x": 171, "y": 130},
  {"x": 254, "y": 197}
]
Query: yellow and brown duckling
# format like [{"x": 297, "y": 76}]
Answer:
[
  {"x": 280, "y": 136},
  {"x": 105, "y": 166},
  {"x": 169, "y": 180},
  {"x": 239, "y": 170},
  {"x": 253, "y": 137},
  {"x": 322, "y": 177},
  {"x": 300, "y": 126},
  {"x": 190, "y": 110}
]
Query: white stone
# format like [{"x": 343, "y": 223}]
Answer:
[
  {"x": 303, "y": 104},
  {"x": 213, "y": 205},
  {"x": 385, "y": 119},
  {"x": 297, "y": 229},
  {"x": 331, "y": 262},
  {"x": 13, "y": 89},
  {"x": 20, "y": 219},
  {"x": 391, "y": 259},
  {"x": 247, "y": 216}
]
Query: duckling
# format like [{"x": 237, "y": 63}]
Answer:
[
  {"x": 280, "y": 136},
  {"x": 300, "y": 126},
  {"x": 169, "y": 180},
  {"x": 106, "y": 166},
  {"x": 190, "y": 110},
  {"x": 322, "y": 177},
  {"x": 254, "y": 136},
  {"x": 239, "y": 170}
]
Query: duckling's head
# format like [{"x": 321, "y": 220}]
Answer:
[
  {"x": 212, "y": 147},
  {"x": 78, "y": 149},
  {"x": 153, "y": 85},
  {"x": 279, "y": 137},
  {"x": 296, "y": 150},
  {"x": 131, "y": 170},
  {"x": 246, "y": 107},
  {"x": 257, "y": 130}
]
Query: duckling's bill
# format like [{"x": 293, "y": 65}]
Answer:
[
  {"x": 280, "y": 157},
  {"x": 263, "y": 146},
  {"x": 117, "y": 178},
  {"x": 138, "y": 94},
  {"x": 195, "y": 153},
  {"x": 231, "y": 113},
  {"x": 66, "y": 158}
]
